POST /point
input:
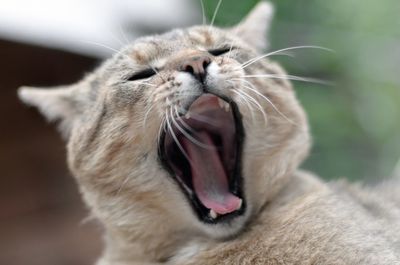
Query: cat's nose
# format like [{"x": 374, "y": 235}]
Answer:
[{"x": 196, "y": 66}]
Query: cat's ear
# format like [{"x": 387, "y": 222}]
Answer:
[
  {"x": 56, "y": 104},
  {"x": 254, "y": 27}
]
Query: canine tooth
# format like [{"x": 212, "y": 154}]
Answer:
[
  {"x": 240, "y": 204},
  {"x": 221, "y": 103},
  {"x": 187, "y": 115},
  {"x": 213, "y": 214},
  {"x": 227, "y": 107}
]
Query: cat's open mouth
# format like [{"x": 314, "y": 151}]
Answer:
[{"x": 202, "y": 151}]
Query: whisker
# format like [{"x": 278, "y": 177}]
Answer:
[
  {"x": 203, "y": 11},
  {"x": 251, "y": 88},
  {"x": 254, "y": 101},
  {"x": 251, "y": 61},
  {"x": 160, "y": 130},
  {"x": 100, "y": 45},
  {"x": 157, "y": 72},
  {"x": 127, "y": 41},
  {"x": 176, "y": 139},
  {"x": 184, "y": 124},
  {"x": 230, "y": 53},
  {"x": 146, "y": 116},
  {"x": 233, "y": 40},
  {"x": 215, "y": 13},
  {"x": 246, "y": 101},
  {"x": 192, "y": 139},
  {"x": 158, "y": 95},
  {"x": 292, "y": 77},
  {"x": 116, "y": 38},
  {"x": 203, "y": 119},
  {"x": 144, "y": 83}
]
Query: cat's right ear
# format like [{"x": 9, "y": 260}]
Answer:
[
  {"x": 255, "y": 26},
  {"x": 56, "y": 104}
]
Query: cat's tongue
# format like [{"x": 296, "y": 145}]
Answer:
[{"x": 209, "y": 177}]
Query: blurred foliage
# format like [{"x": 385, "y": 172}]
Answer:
[{"x": 355, "y": 122}]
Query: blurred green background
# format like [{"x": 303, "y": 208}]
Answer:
[{"x": 356, "y": 122}]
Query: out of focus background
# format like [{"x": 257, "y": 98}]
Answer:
[{"x": 355, "y": 121}]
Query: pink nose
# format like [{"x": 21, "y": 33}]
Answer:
[{"x": 197, "y": 66}]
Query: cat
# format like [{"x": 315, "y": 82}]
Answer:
[{"x": 186, "y": 146}]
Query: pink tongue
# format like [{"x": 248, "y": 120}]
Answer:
[{"x": 209, "y": 177}]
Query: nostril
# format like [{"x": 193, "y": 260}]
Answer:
[
  {"x": 188, "y": 68},
  {"x": 196, "y": 66},
  {"x": 206, "y": 63}
]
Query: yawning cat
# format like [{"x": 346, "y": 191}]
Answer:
[{"x": 186, "y": 147}]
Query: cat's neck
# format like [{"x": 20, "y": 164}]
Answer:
[{"x": 150, "y": 247}]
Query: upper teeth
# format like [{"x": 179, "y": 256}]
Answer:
[
  {"x": 187, "y": 115},
  {"x": 226, "y": 107},
  {"x": 223, "y": 104}
]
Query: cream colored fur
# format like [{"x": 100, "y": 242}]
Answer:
[{"x": 292, "y": 217}]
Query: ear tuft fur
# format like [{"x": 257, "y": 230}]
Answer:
[
  {"x": 254, "y": 27},
  {"x": 56, "y": 104}
]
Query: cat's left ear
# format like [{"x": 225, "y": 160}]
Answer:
[
  {"x": 255, "y": 26},
  {"x": 56, "y": 104}
]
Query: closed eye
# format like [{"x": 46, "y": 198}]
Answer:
[
  {"x": 220, "y": 51},
  {"x": 146, "y": 73}
]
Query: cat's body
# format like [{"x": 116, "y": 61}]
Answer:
[
  {"x": 187, "y": 151},
  {"x": 311, "y": 222}
]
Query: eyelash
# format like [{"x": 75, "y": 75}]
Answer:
[{"x": 146, "y": 73}]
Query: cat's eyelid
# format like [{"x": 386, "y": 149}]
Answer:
[
  {"x": 142, "y": 74},
  {"x": 221, "y": 50}
]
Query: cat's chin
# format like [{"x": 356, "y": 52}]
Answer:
[{"x": 202, "y": 151}]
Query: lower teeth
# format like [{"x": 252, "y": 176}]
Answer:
[{"x": 213, "y": 214}]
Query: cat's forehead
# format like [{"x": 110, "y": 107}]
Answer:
[{"x": 198, "y": 37}]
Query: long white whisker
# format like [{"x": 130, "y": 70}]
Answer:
[
  {"x": 127, "y": 41},
  {"x": 184, "y": 124},
  {"x": 116, "y": 38},
  {"x": 176, "y": 139},
  {"x": 215, "y": 13},
  {"x": 254, "y": 101},
  {"x": 144, "y": 83},
  {"x": 161, "y": 129},
  {"x": 157, "y": 72},
  {"x": 291, "y": 77},
  {"x": 230, "y": 49},
  {"x": 146, "y": 116},
  {"x": 246, "y": 101},
  {"x": 192, "y": 139},
  {"x": 251, "y": 88},
  {"x": 251, "y": 61},
  {"x": 203, "y": 11},
  {"x": 101, "y": 45},
  {"x": 233, "y": 40},
  {"x": 203, "y": 119}
]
